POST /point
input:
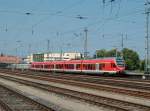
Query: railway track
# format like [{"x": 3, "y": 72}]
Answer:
[
  {"x": 131, "y": 92},
  {"x": 142, "y": 85},
  {"x": 12, "y": 101},
  {"x": 109, "y": 103},
  {"x": 133, "y": 88},
  {"x": 115, "y": 81},
  {"x": 125, "y": 83}
]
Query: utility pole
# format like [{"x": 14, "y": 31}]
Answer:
[
  {"x": 29, "y": 50},
  {"x": 48, "y": 43},
  {"x": 61, "y": 45},
  {"x": 17, "y": 48},
  {"x": 116, "y": 53},
  {"x": 6, "y": 29},
  {"x": 147, "y": 63},
  {"x": 85, "y": 44},
  {"x": 122, "y": 45}
]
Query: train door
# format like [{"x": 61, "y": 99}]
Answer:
[
  {"x": 74, "y": 67},
  {"x": 97, "y": 67}
]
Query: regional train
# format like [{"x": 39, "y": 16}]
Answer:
[{"x": 93, "y": 66}]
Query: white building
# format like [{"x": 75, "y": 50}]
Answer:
[
  {"x": 62, "y": 56},
  {"x": 29, "y": 59},
  {"x": 56, "y": 56}
]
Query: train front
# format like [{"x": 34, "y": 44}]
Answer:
[{"x": 120, "y": 65}]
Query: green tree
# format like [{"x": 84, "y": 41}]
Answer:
[
  {"x": 142, "y": 65},
  {"x": 100, "y": 53},
  {"x": 131, "y": 58},
  {"x": 104, "y": 53},
  {"x": 112, "y": 53}
]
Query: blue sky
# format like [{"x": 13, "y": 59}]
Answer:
[{"x": 57, "y": 21}]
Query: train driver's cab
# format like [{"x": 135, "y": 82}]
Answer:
[{"x": 120, "y": 62}]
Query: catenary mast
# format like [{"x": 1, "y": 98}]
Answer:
[{"x": 147, "y": 62}]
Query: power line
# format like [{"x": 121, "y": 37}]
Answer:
[
  {"x": 119, "y": 7},
  {"x": 102, "y": 21},
  {"x": 59, "y": 12}
]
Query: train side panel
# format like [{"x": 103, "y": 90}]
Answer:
[{"x": 102, "y": 66}]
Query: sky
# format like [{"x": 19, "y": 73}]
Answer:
[{"x": 27, "y": 25}]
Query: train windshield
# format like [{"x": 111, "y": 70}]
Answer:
[{"x": 120, "y": 62}]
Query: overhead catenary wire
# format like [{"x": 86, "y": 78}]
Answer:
[
  {"x": 75, "y": 29},
  {"x": 119, "y": 7},
  {"x": 111, "y": 5},
  {"x": 58, "y": 12},
  {"x": 31, "y": 13},
  {"x": 102, "y": 22}
]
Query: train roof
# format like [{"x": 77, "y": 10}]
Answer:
[{"x": 78, "y": 61}]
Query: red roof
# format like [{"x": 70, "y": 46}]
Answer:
[{"x": 9, "y": 59}]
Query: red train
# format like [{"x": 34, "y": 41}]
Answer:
[{"x": 96, "y": 66}]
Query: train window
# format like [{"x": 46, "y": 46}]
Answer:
[
  {"x": 46, "y": 66},
  {"x": 52, "y": 66},
  {"x": 66, "y": 66},
  {"x": 89, "y": 66},
  {"x": 93, "y": 66},
  {"x": 120, "y": 62},
  {"x": 78, "y": 66},
  {"x": 101, "y": 66},
  {"x": 42, "y": 66},
  {"x": 38, "y": 66},
  {"x": 35, "y": 66},
  {"x": 69, "y": 66},
  {"x": 84, "y": 66},
  {"x": 59, "y": 66},
  {"x": 113, "y": 65}
]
